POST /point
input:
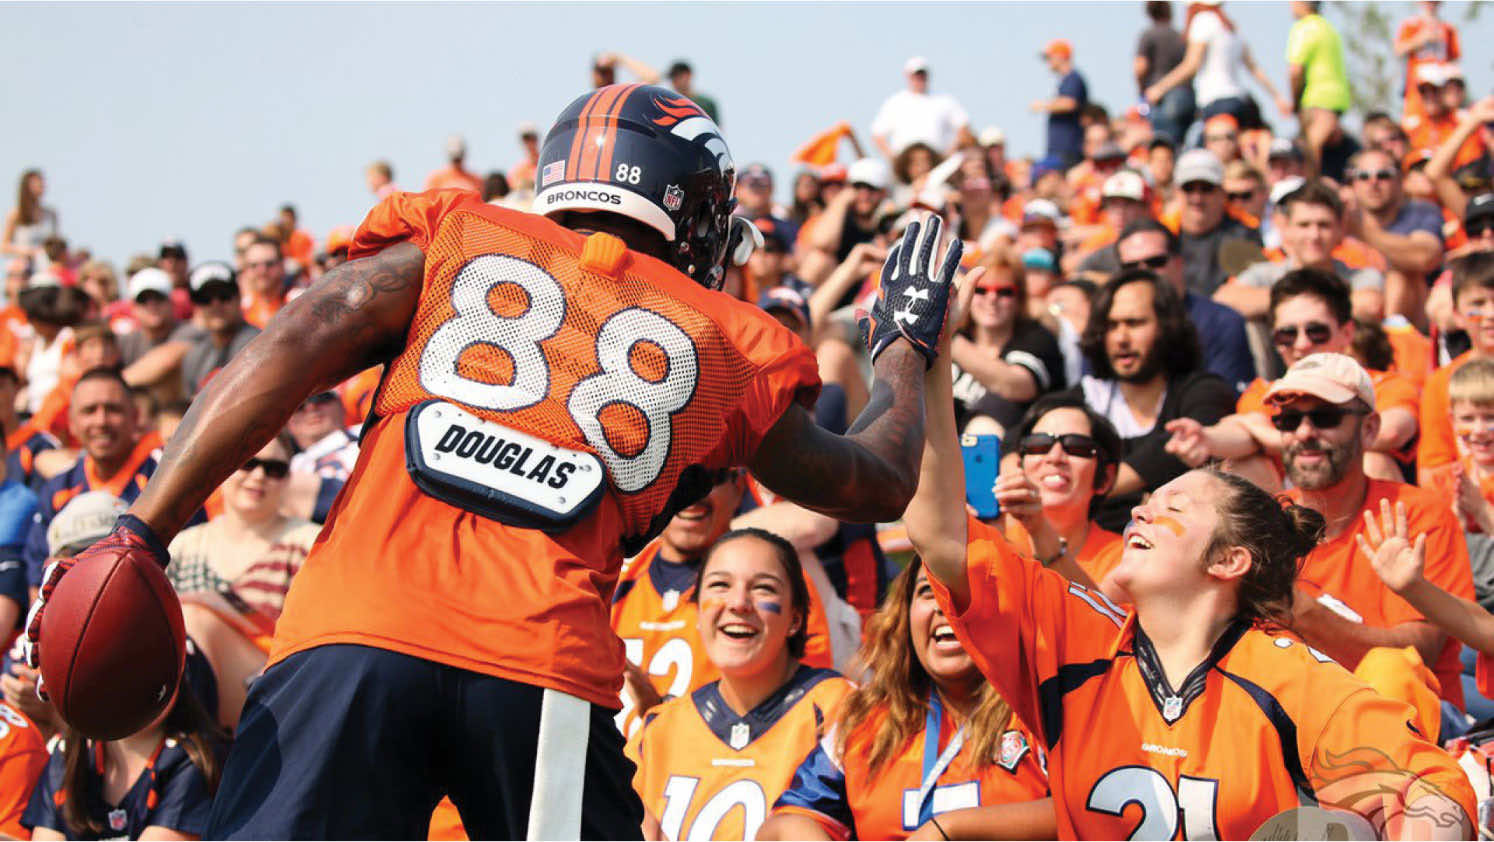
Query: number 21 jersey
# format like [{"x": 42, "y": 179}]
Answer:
[{"x": 535, "y": 354}]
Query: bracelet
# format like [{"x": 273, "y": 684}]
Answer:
[
  {"x": 935, "y": 820},
  {"x": 1063, "y": 550}
]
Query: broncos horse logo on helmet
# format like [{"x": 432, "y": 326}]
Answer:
[{"x": 649, "y": 154}]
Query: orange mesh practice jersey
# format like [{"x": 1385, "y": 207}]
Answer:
[
  {"x": 1264, "y": 725},
  {"x": 23, "y": 756},
  {"x": 706, "y": 773},
  {"x": 1339, "y": 575},
  {"x": 654, "y": 614},
  {"x": 1437, "y": 445},
  {"x": 543, "y": 350},
  {"x": 840, "y": 794}
]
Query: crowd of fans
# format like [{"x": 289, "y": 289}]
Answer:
[{"x": 1182, "y": 282}]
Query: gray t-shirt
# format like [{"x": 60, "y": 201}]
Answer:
[
  {"x": 1266, "y": 274},
  {"x": 204, "y": 357},
  {"x": 133, "y": 345},
  {"x": 1163, "y": 48}
]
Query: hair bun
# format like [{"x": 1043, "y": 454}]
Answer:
[{"x": 1307, "y": 525}]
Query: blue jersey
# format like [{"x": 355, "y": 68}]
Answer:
[
  {"x": 22, "y": 446},
  {"x": 18, "y": 507},
  {"x": 171, "y": 793}
]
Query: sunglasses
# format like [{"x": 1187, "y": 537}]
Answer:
[
  {"x": 999, "y": 292},
  {"x": 273, "y": 468},
  {"x": 215, "y": 296},
  {"x": 1074, "y": 444},
  {"x": 1156, "y": 261},
  {"x": 1241, "y": 197},
  {"x": 1213, "y": 138},
  {"x": 1317, "y": 334},
  {"x": 1376, "y": 175},
  {"x": 1322, "y": 418}
]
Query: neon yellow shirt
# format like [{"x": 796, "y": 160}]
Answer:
[{"x": 1314, "y": 45}]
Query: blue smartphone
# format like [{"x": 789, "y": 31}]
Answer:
[{"x": 982, "y": 464}]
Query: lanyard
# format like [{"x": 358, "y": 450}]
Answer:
[{"x": 934, "y": 766}]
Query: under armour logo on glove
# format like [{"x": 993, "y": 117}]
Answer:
[{"x": 918, "y": 290}]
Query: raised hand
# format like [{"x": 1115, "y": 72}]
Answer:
[
  {"x": 1397, "y": 560},
  {"x": 914, "y": 296}
]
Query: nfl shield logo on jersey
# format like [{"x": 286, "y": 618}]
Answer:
[
  {"x": 740, "y": 734},
  {"x": 118, "y": 819},
  {"x": 673, "y": 197},
  {"x": 1013, "y": 746}
]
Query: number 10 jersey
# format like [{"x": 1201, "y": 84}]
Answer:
[{"x": 473, "y": 530}]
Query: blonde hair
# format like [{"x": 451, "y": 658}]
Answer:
[
  {"x": 1243, "y": 169},
  {"x": 1472, "y": 382}
]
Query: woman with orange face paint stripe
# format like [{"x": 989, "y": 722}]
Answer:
[{"x": 1185, "y": 716}]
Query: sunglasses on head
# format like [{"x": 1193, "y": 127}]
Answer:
[
  {"x": 999, "y": 292},
  {"x": 274, "y": 468},
  {"x": 1375, "y": 175},
  {"x": 1317, "y": 333},
  {"x": 1156, "y": 261},
  {"x": 1322, "y": 418},
  {"x": 1074, "y": 444}
]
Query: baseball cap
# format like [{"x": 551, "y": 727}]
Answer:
[
  {"x": 212, "y": 272},
  {"x": 172, "y": 247},
  {"x": 992, "y": 136},
  {"x": 1126, "y": 184},
  {"x": 85, "y": 519},
  {"x": 42, "y": 279},
  {"x": 785, "y": 297},
  {"x": 528, "y": 129},
  {"x": 871, "y": 171},
  {"x": 1333, "y": 378},
  {"x": 772, "y": 229},
  {"x": 1479, "y": 207},
  {"x": 1284, "y": 147},
  {"x": 1039, "y": 259},
  {"x": 1199, "y": 165},
  {"x": 1285, "y": 187},
  {"x": 916, "y": 64},
  {"x": 149, "y": 279},
  {"x": 1436, "y": 74},
  {"x": 456, "y": 146},
  {"x": 1043, "y": 166},
  {"x": 756, "y": 174},
  {"x": 1040, "y": 211},
  {"x": 1058, "y": 47},
  {"x": 833, "y": 173},
  {"x": 1110, "y": 152}
]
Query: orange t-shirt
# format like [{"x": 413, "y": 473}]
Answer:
[
  {"x": 1444, "y": 48},
  {"x": 1437, "y": 445},
  {"x": 23, "y": 756},
  {"x": 1414, "y": 354},
  {"x": 1427, "y": 133},
  {"x": 258, "y": 311},
  {"x": 530, "y": 329},
  {"x": 1442, "y": 481},
  {"x": 1342, "y": 579},
  {"x": 706, "y": 773},
  {"x": 659, "y": 633},
  {"x": 453, "y": 178},
  {"x": 1262, "y": 726}
]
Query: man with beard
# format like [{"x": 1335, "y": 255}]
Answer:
[
  {"x": 1146, "y": 370},
  {"x": 1324, "y": 410}
]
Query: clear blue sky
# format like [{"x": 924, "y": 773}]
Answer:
[{"x": 191, "y": 120}]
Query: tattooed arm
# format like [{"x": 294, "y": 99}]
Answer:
[
  {"x": 869, "y": 474},
  {"x": 355, "y": 316}
]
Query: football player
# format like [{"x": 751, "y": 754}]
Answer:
[{"x": 556, "y": 386}]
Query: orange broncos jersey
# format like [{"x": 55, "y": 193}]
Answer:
[
  {"x": 1264, "y": 725},
  {"x": 23, "y": 756},
  {"x": 1098, "y": 556},
  {"x": 552, "y": 380},
  {"x": 657, "y": 625},
  {"x": 840, "y": 794},
  {"x": 706, "y": 773}
]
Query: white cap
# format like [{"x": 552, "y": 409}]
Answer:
[
  {"x": 1199, "y": 165},
  {"x": 149, "y": 279},
  {"x": 456, "y": 146},
  {"x": 1284, "y": 188},
  {"x": 214, "y": 271},
  {"x": 916, "y": 64},
  {"x": 1041, "y": 208},
  {"x": 872, "y": 171},
  {"x": 1124, "y": 184},
  {"x": 992, "y": 136},
  {"x": 1438, "y": 73},
  {"x": 527, "y": 128},
  {"x": 44, "y": 278},
  {"x": 84, "y": 520}
]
